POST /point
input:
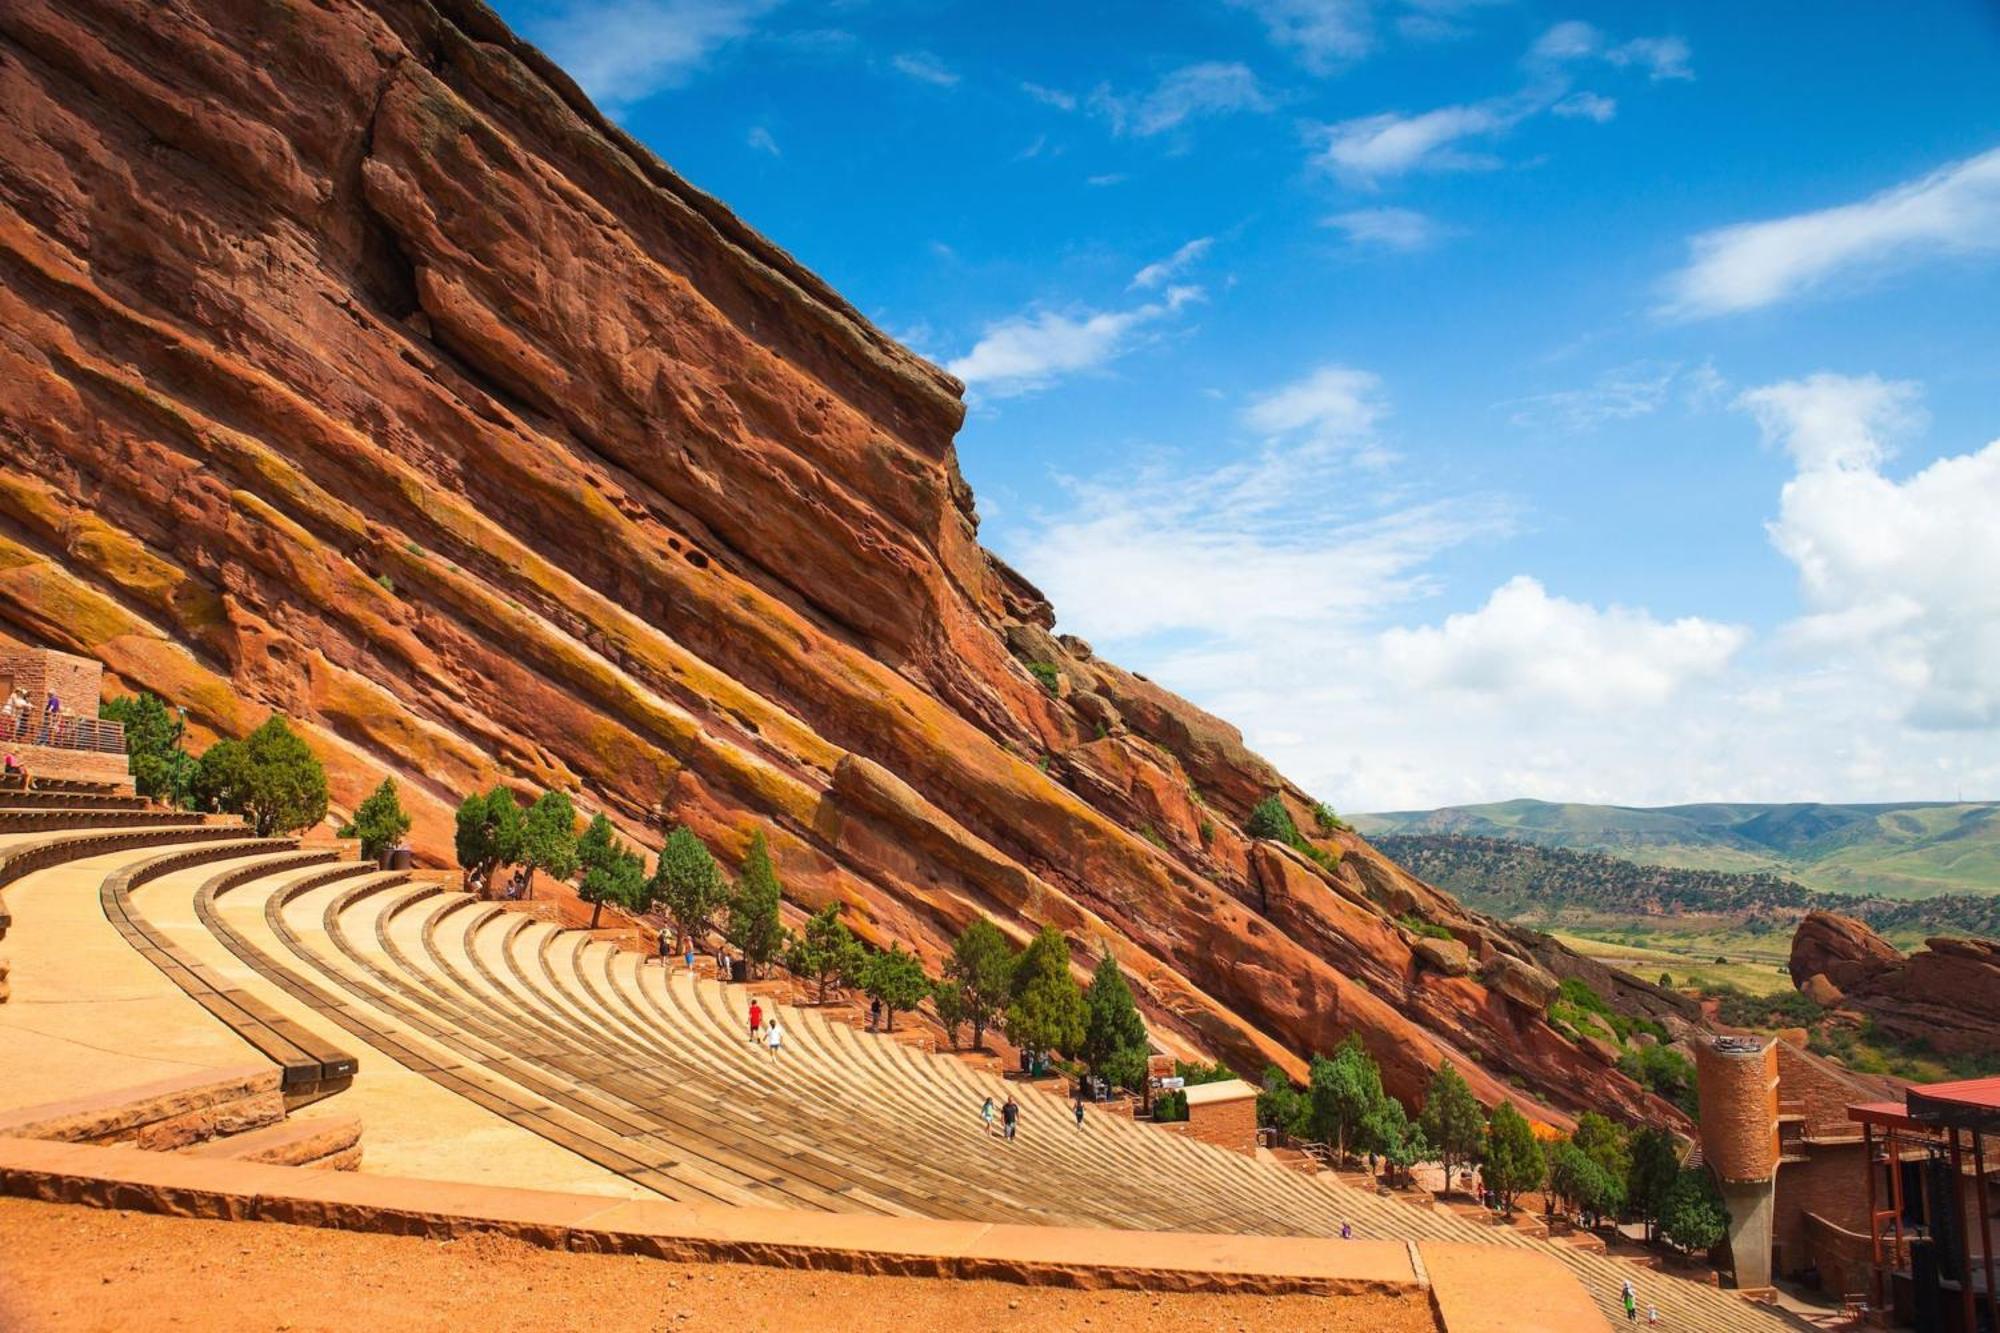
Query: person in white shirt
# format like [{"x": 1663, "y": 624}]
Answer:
[{"x": 774, "y": 1035}]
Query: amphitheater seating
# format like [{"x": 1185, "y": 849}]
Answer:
[{"x": 649, "y": 1072}]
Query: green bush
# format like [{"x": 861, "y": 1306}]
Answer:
[
  {"x": 1047, "y": 673},
  {"x": 1270, "y": 819},
  {"x": 1694, "y": 1217},
  {"x": 1197, "y": 1074},
  {"x": 271, "y": 778},
  {"x": 1416, "y": 925},
  {"x": 1665, "y": 1072},
  {"x": 750, "y": 919},
  {"x": 1170, "y": 1106},
  {"x": 161, "y": 768},
  {"x": 897, "y": 980}
]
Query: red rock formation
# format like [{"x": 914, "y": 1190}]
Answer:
[
  {"x": 1946, "y": 995},
  {"x": 352, "y": 365}
]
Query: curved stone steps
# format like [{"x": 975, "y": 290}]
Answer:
[
  {"x": 630, "y": 1096},
  {"x": 311, "y": 1066}
]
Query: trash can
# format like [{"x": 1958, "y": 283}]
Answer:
[{"x": 397, "y": 858}]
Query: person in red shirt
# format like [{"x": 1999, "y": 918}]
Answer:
[{"x": 756, "y": 1019}]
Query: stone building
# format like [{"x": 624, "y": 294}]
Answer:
[{"x": 78, "y": 745}]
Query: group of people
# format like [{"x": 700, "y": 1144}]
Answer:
[
  {"x": 1631, "y": 1296},
  {"x": 772, "y": 1034},
  {"x": 669, "y": 944},
  {"x": 18, "y": 711}
]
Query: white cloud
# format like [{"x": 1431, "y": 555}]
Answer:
[
  {"x": 1390, "y": 228},
  {"x": 1054, "y": 97},
  {"x": 761, "y": 140},
  {"x": 1324, "y": 34},
  {"x": 621, "y": 51},
  {"x": 1661, "y": 57},
  {"x": 1620, "y": 394},
  {"x": 1158, "y": 272},
  {"x": 924, "y": 68},
  {"x": 1367, "y": 148},
  {"x": 1586, "y": 106},
  {"x": 1898, "y": 577},
  {"x": 1287, "y": 590},
  {"x": 1207, "y": 89},
  {"x": 1108, "y": 178},
  {"x": 1525, "y": 646},
  {"x": 1026, "y": 352},
  {"x": 1331, "y": 403},
  {"x": 1955, "y": 210},
  {"x": 1572, "y": 40}
]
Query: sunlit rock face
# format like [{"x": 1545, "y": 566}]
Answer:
[{"x": 352, "y": 365}]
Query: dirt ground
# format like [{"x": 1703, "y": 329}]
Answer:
[{"x": 65, "y": 1269}]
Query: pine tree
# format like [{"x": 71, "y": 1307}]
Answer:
[
  {"x": 1114, "y": 1035},
  {"x": 611, "y": 872},
  {"x": 1513, "y": 1159},
  {"x": 487, "y": 834},
  {"x": 1046, "y": 1012},
  {"x": 826, "y": 951},
  {"x": 948, "y": 1002},
  {"x": 547, "y": 840},
  {"x": 1654, "y": 1169},
  {"x": 687, "y": 884},
  {"x": 751, "y": 922},
  {"x": 1270, "y": 819},
  {"x": 896, "y": 979},
  {"x": 1451, "y": 1119},
  {"x": 1283, "y": 1107},
  {"x": 379, "y": 822},
  {"x": 1345, "y": 1091},
  {"x": 271, "y": 778},
  {"x": 162, "y": 769},
  {"x": 982, "y": 967},
  {"x": 1694, "y": 1217}
]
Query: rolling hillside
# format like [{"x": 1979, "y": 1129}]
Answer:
[{"x": 1911, "y": 849}]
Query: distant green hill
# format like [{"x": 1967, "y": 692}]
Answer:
[{"x": 1913, "y": 849}]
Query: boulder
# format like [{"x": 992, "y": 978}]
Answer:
[
  {"x": 1821, "y": 991},
  {"x": 1448, "y": 957},
  {"x": 1845, "y": 951},
  {"x": 1601, "y": 1049},
  {"x": 1522, "y": 982}
]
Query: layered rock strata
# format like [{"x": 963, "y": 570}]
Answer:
[{"x": 352, "y": 365}]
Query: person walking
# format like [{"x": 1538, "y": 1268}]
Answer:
[
  {"x": 1079, "y": 1113},
  {"x": 774, "y": 1036},
  {"x": 986, "y": 1114},
  {"x": 666, "y": 942},
  {"x": 51, "y": 715},
  {"x": 1631, "y": 1303},
  {"x": 1652, "y": 1316},
  {"x": 875, "y": 1016},
  {"x": 19, "y": 710},
  {"x": 1010, "y": 1116},
  {"x": 756, "y": 1019},
  {"x": 687, "y": 950}
]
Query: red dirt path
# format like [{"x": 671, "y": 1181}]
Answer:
[{"x": 67, "y": 1269}]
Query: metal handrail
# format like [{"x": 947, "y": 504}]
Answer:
[{"x": 64, "y": 732}]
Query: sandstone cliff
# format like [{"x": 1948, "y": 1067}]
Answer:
[
  {"x": 1945, "y": 995},
  {"x": 352, "y": 365}
]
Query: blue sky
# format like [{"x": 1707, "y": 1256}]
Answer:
[{"x": 1469, "y": 399}]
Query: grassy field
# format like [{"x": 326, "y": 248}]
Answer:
[
  {"x": 1689, "y": 966},
  {"x": 1897, "y": 850}
]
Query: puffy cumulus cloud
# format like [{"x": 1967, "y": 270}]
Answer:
[
  {"x": 1210, "y": 88},
  {"x": 621, "y": 51},
  {"x": 1898, "y": 576},
  {"x": 1026, "y": 352},
  {"x": 1952, "y": 211},
  {"x": 1388, "y": 228},
  {"x": 1527, "y": 647}
]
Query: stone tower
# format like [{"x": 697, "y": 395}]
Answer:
[{"x": 1739, "y": 1141}]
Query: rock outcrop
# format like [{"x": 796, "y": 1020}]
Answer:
[
  {"x": 1945, "y": 995},
  {"x": 353, "y": 365}
]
